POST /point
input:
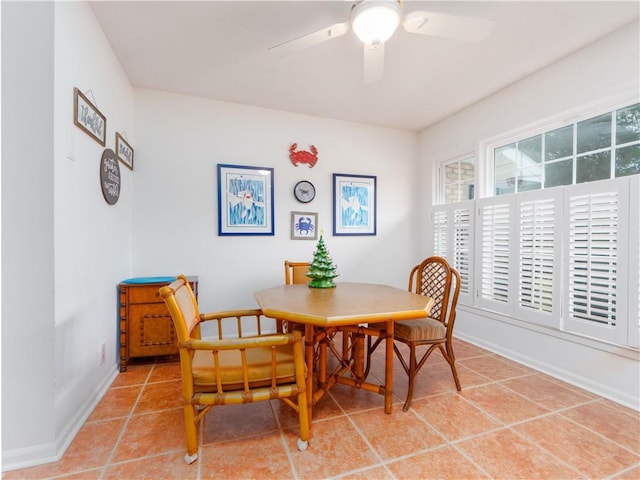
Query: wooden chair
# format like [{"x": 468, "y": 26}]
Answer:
[
  {"x": 435, "y": 278},
  {"x": 233, "y": 368},
  {"x": 295, "y": 272}
]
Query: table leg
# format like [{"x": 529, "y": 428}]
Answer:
[
  {"x": 309, "y": 341},
  {"x": 388, "y": 367}
]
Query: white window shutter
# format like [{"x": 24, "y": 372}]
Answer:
[
  {"x": 462, "y": 240},
  {"x": 496, "y": 235},
  {"x": 440, "y": 231},
  {"x": 634, "y": 262},
  {"x": 539, "y": 256},
  {"x": 596, "y": 256}
]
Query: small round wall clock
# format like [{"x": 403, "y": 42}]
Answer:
[{"x": 304, "y": 191}]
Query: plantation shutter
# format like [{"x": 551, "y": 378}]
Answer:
[
  {"x": 453, "y": 240},
  {"x": 596, "y": 255},
  {"x": 462, "y": 239},
  {"x": 440, "y": 231},
  {"x": 539, "y": 256},
  {"x": 495, "y": 234},
  {"x": 634, "y": 262}
]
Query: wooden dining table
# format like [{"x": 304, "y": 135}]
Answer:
[{"x": 349, "y": 308}]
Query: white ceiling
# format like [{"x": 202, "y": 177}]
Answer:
[{"x": 218, "y": 50}]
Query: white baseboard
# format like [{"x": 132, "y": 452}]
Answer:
[
  {"x": 580, "y": 362},
  {"x": 52, "y": 452}
]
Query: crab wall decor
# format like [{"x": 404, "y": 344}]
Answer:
[{"x": 303, "y": 156}]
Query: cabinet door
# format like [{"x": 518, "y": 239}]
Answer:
[{"x": 151, "y": 331}]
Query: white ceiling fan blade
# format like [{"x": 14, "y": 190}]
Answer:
[
  {"x": 448, "y": 26},
  {"x": 373, "y": 63},
  {"x": 311, "y": 39}
]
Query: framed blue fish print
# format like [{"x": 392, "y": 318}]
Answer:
[
  {"x": 354, "y": 204},
  {"x": 245, "y": 200}
]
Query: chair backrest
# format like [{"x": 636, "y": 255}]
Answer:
[
  {"x": 183, "y": 307},
  {"x": 435, "y": 278},
  {"x": 295, "y": 272}
]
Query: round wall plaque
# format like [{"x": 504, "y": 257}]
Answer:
[{"x": 110, "y": 176}]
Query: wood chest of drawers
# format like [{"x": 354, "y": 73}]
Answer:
[{"x": 146, "y": 328}]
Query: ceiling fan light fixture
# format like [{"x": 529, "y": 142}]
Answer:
[{"x": 374, "y": 21}]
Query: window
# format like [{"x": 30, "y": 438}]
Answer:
[
  {"x": 457, "y": 180},
  {"x": 598, "y": 148},
  {"x": 566, "y": 258}
]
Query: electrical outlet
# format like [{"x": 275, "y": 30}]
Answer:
[{"x": 103, "y": 354}]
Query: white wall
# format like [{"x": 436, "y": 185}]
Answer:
[
  {"x": 63, "y": 244},
  {"x": 27, "y": 228},
  {"x": 179, "y": 142},
  {"x": 602, "y": 70},
  {"x": 92, "y": 238}
]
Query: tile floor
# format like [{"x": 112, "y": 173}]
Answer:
[{"x": 508, "y": 422}]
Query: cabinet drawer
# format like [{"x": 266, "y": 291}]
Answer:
[
  {"x": 145, "y": 294},
  {"x": 151, "y": 331}
]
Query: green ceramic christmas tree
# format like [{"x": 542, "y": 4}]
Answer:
[{"x": 322, "y": 271}]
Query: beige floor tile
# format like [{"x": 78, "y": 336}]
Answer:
[
  {"x": 396, "y": 435},
  {"x": 164, "y": 371},
  {"x": 351, "y": 399},
  {"x": 224, "y": 423},
  {"x": 545, "y": 391},
  {"x": 504, "y": 454},
  {"x": 262, "y": 457},
  {"x": 462, "y": 349},
  {"x": 135, "y": 375},
  {"x": 160, "y": 396},
  {"x": 630, "y": 474},
  {"x": 494, "y": 367},
  {"x": 92, "y": 474},
  {"x": 454, "y": 417},
  {"x": 152, "y": 434},
  {"x": 170, "y": 466},
  {"x": 374, "y": 473},
  {"x": 584, "y": 450},
  {"x": 117, "y": 402},
  {"x": 335, "y": 448},
  {"x": 618, "y": 425},
  {"x": 502, "y": 404},
  {"x": 441, "y": 463}
]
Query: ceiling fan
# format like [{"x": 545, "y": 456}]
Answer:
[{"x": 375, "y": 21}]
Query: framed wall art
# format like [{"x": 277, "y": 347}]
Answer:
[
  {"x": 124, "y": 151},
  {"x": 304, "y": 226},
  {"x": 354, "y": 204},
  {"x": 88, "y": 118},
  {"x": 245, "y": 200}
]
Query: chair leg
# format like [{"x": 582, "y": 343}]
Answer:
[
  {"x": 451, "y": 360},
  {"x": 412, "y": 375},
  {"x": 303, "y": 418},
  {"x": 191, "y": 433},
  {"x": 371, "y": 347}
]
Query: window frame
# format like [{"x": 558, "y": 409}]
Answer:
[
  {"x": 440, "y": 198},
  {"x": 485, "y": 180},
  {"x": 626, "y": 333}
]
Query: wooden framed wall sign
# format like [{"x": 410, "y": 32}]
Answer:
[
  {"x": 124, "y": 151},
  {"x": 110, "y": 176},
  {"x": 87, "y": 117}
]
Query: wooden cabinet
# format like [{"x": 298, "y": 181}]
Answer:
[{"x": 146, "y": 328}]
